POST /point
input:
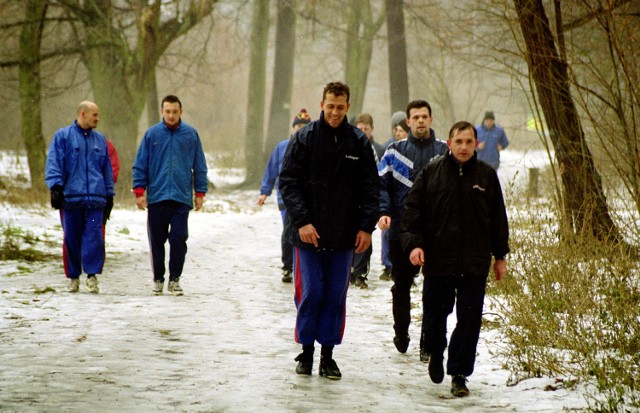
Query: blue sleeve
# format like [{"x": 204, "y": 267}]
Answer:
[
  {"x": 271, "y": 173},
  {"x": 503, "y": 139},
  {"x": 54, "y": 170},
  {"x": 385, "y": 172},
  {"x": 107, "y": 173},
  {"x": 201, "y": 182},
  {"x": 141, "y": 165}
]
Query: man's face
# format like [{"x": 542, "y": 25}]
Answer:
[
  {"x": 335, "y": 109},
  {"x": 171, "y": 113},
  {"x": 366, "y": 128},
  {"x": 462, "y": 145},
  {"x": 420, "y": 122},
  {"x": 400, "y": 133},
  {"x": 488, "y": 123},
  {"x": 91, "y": 117}
]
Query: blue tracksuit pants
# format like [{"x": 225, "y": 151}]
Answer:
[
  {"x": 83, "y": 245},
  {"x": 321, "y": 281}
]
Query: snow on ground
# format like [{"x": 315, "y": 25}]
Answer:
[{"x": 227, "y": 344}]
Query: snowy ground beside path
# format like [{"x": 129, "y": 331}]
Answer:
[{"x": 227, "y": 344}]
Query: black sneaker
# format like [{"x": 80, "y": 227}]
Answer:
[
  {"x": 329, "y": 369},
  {"x": 361, "y": 281},
  {"x": 386, "y": 274},
  {"x": 424, "y": 355},
  {"x": 458, "y": 385},
  {"x": 436, "y": 369},
  {"x": 402, "y": 343},
  {"x": 287, "y": 276},
  {"x": 305, "y": 365}
]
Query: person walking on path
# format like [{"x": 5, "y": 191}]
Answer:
[
  {"x": 330, "y": 189},
  {"x": 398, "y": 169},
  {"x": 454, "y": 221},
  {"x": 492, "y": 139},
  {"x": 78, "y": 174},
  {"x": 269, "y": 181},
  {"x": 169, "y": 166}
]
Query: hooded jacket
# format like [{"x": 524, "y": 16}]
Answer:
[
  {"x": 78, "y": 161},
  {"x": 456, "y": 214},
  {"x": 398, "y": 168},
  {"x": 329, "y": 179}
]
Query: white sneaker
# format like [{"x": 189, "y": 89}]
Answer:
[
  {"x": 174, "y": 288},
  {"x": 92, "y": 285},
  {"x": 157, "y": 287},
  {"x": 74, "y": 285}
]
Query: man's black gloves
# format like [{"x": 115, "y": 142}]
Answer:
[
  {"x": 57, "y": 197},
  {"x": 107, "y": 210}
]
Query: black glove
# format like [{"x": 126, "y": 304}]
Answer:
[
  {"x": 57, "y": 197},
  {"x": 106, "y": 213}
]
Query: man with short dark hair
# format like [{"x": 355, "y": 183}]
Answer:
[
  {"x": 454, "y": 221},
  {"x": 492, "y": 139},
  {"x": 398, "y": 169},
  {"x": 330, "y": 188},
  {"x": 170, "y": 165}
]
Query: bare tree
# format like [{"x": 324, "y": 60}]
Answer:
[
  {"x": 254, "y": 128},
  {"x": 397, "y": 52}
]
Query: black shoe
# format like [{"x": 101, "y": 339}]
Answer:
[
  {"x": 305, "y": 365},
  {"x": 436, "y": 369},
  {"x": 424, "y": 355},
  {"x": 402, "y": 343},
  {"x": 287, "y": 276},
  {"x": 386, "y": 274},
  {"x": 329, "y": 369},
  {"x": 352, "y": 279},
  {"x": 361, "y": 281},
  {"x": 459, "y": 386}
]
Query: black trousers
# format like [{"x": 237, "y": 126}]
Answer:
[
  {"x": 168, "y": 220},
  {"x": 403, "y": 273},
  {"x": 439, "y": 296}
]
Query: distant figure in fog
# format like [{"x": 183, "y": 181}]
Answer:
[
  {"x": 491, "y": 140},
  {"x": 79, "y": 176}
]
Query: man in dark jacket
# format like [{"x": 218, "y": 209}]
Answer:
[
  {"x": 454, "y": 221},
  {"x": 330, "y": 188},
  {"x": 398, "y": 169}
]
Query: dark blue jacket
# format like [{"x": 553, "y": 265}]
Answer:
[
  {"x": 398, "y": 169},
  {"x": 78, "y": 161},
  {"x": 271, "y": 172},
  {"x": 170, "y": 164},
  {"x": 329, "y": 179}
]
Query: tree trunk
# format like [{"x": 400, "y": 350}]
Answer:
[
  {"x": 397, "y": 44},
  {"x": 31, "y": 91},
  {"x": 280, "y": 111},
  {"x": 359, "y": 50},
  {"x": 153, "y": 102},
  {"x": 254, "y": 129},
  {"x": 584, "y": 204}
]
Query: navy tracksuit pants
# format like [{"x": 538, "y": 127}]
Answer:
[
  {"x": 168, "y": 220},
  {"x": 321, "y": 281},
  {"x": 83, "y": 245}
]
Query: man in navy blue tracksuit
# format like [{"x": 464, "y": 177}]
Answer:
[
  {"x": 330, "y": 188},
  {"x": 170, "y": 166},
  {"x": 78, "y": 173}
]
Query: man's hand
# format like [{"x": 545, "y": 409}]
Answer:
[
  {"x": 262, "y": 199},
  {"x": 199, "y": 201},
  {"x": 417, "y": 256},
  {"x": 481, "y": 145},
  {"x": 57, "y": 197},
  {"x": 500, "y": 269},
  {"x": 141, "y": 202},
  {"x": 384, "y": 222},
  {"x": 363, "y": 241},
  {"x": 309, "y": 235}
]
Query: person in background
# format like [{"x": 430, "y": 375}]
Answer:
[
  {"x": 78, "y": 174},
  {"x": 170, "y": 166},
  {"x": 398, "y": 169},
  {"x": 491, "y": 140},
  {"x": 399, "y": 131},
  {"x": 269, "y": 180},
  {"x": 115, "y": 167},
  {"x": 454, "y": 221},
  {"x": 330, "y": 188}
]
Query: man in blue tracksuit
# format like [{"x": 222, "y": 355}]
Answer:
[
  {"x": 398, "y": 169},
  {"x": 492, "y": 139},
  {"x": 170, "y": 165},
  {"x": 269, "y": 180},
  {"x": 78, "y": 173},
  {"x": 330, "y": 188}
]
